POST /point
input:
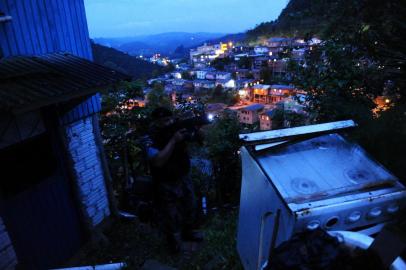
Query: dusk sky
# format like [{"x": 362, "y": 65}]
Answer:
[{"x": 124, "y": 18}]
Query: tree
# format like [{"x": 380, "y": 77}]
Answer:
[
  {"x": 245, "y": 63},
  {"x": 218, "y": 92},
  {"x": 222, "y": 143},
  {"x": 157, "y": 98},
  {"x": 186, "y": 75},
  {"x": 220, "y": 63},
  {"x": 121, "y": 126},
  {"x": 363, "y": 57},
  {"x": 266, "y": 75}
]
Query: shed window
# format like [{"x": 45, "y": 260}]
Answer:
[{"x": 25, "y": 164}]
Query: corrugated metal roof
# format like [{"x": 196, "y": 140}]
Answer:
[{"x": 31, "y": 82}]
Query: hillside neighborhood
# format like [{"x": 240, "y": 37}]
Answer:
[
  {"x": 279, "y": 147},
  {"x": 244, "y": 72}
]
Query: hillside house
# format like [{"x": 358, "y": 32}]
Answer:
[
  {"x": 280, "y": 92},
  {"x": 260, "y": 93},
  {"x": 222, "y": 75},
  {"x": 250, "y": 114},
  {"x": 279, "y": 42},
  {"x": 261, "y": 50},
  {"x": 261, "y": 61},
  {"x": 278, "y": 67},
  {"x": 266, "y": 120},
  {"x": 270, "y": 94},
  {"x": 244, "y": 83},
  {"x": 201, "y": 73},
  {"x": 215, "y": 109},
  {"x": 243, "y": 73},
  {"x": 54, "y": 188},
  {"x": 227, "y": 83},
  {"x": 205, "y": 84},
  {"x": 210, "y": 75}
]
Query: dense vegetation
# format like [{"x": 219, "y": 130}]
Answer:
[
  {"x": 299, "y": 18},
  {"x": 363, "y": 57},
  {"x": 112, "y": 58}
]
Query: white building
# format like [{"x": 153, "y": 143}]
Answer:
[{"x": 261, "y": 50}]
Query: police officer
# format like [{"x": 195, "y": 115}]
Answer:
[{"x": 170, "y": 165}]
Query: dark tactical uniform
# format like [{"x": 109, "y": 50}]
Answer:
[{"x": 174, "y": 194}]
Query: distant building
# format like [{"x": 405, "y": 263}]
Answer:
[
  {"x": 215, "y": 109},
  {"x": 250, "y": 114},
  {"x": 221, "y": 75},
  {"x": 261, "y": 61},
  {"x": 244, "y": 83},
  {"x": 291, "y": 104},
  {"x": 207, "y": 53},
  {"x": 278, "y": 67},
  {"x": 201, "y": 74},
  {"x": 243, "y": 74},
  {"x": 261, "y": 50},
  {"x": 298, "y": 54},
  {"x": 227, "y": 83},
  {"x": 176, "y": 75},
  {"x": 205, "y": 84},
  {"x": 238, "y": 57},
  {"x": 179, "y": 82},
  {"x": 279, "y": 42},
  {"x": 270, "y": 94},
  {"x": 265, "y": 119}
]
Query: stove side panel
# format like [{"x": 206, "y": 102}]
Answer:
[{"x": 264, "y": 220}]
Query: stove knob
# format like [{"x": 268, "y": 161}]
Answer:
[
  {"x": 354, "y": 217},
  {"x": 375, "y": 212},
  {"x": 312, "y": 225},
  {"x": 392, "y": 208}
]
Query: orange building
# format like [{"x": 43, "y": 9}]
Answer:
[{"x": 271, "y": 94}]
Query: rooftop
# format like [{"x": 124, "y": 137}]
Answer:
[
  {"x": 270, "y": 113},
  {"x": 262, "y": 86},
  {"x": 253, "y": 107},
  {"x": 282, "y": 86},
  {"x": 31, "y": 82}
]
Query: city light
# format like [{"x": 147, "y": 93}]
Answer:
[{"x": 210, "y": 117}]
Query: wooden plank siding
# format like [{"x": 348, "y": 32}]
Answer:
[{"x": 44, "y": 26}]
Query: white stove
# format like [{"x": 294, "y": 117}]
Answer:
[{"x": 324, "y": 181}]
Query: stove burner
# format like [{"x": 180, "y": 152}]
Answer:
[
  {"x": 358, "y": 175},
  {"x": 304, "y": 186}
]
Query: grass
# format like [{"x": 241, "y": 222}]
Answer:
[{"x": 134, "y": 243}]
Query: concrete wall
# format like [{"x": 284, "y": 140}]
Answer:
[
  {"x": 8, "y": 258},
  {"x": 264, "y": 123},
  {"x": 88, "y": 169},
  {"x": 248, "y": 117}
]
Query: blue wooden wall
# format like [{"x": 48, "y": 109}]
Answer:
[
  {"x": 44, "y": 26},
  {"x": 85, "y": 109}
]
